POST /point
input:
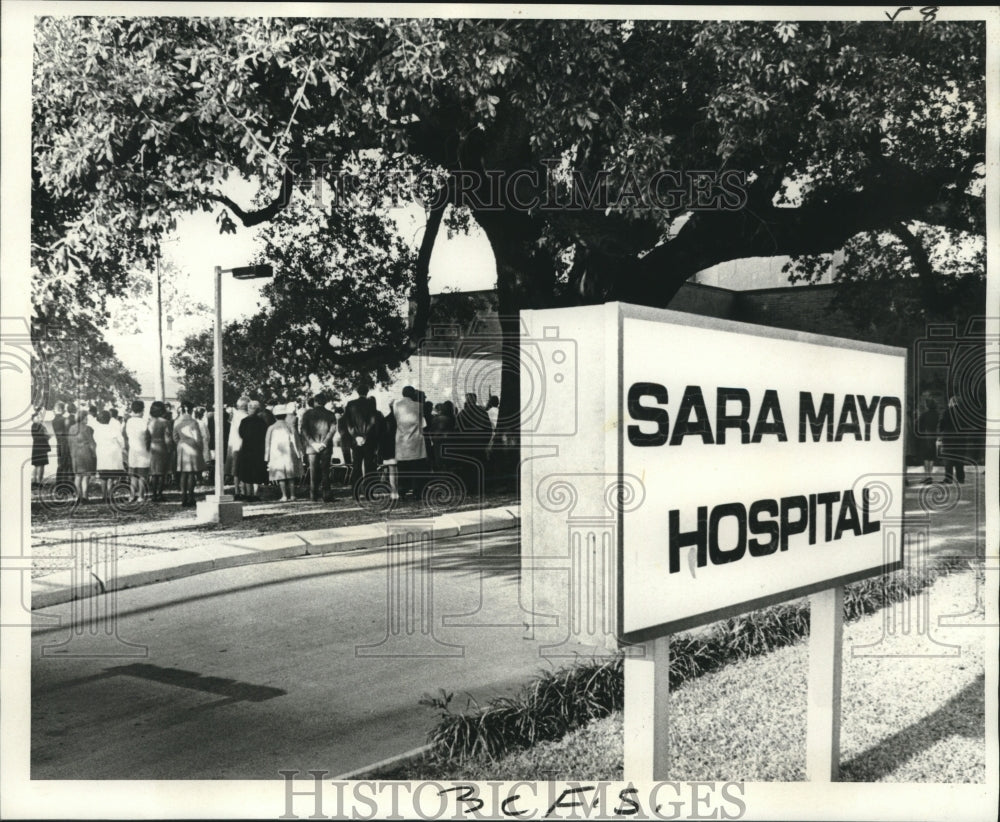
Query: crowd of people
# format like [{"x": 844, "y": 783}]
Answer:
[
  {"x": 947, "y": 446},
  {"x": 285, "y": 445},
  {"x": 292, "y": 447}
]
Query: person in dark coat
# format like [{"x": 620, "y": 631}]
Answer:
[
  {"x": 927, "y": 423},
  {"x": 252, "y": 465},
  {"x": 83, "y": 449},
  {"x": 361, "y": 429},
  {"x": 39, "y": 447},
  {"x": 60, "y": 427},
  {"x": 442, "y": 428},
  {"x": 474, "y": 433},
  {"x": 159, "y": 449},
  {"x": 317, "y": 426}
]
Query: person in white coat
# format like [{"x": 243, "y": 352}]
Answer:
[
  {"x": 240, "y": 489},
  {"x": 110, "y": 447},
  {"x": 411, "y": 449}
]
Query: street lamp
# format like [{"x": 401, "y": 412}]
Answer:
[{"x": 223, "y": 508}]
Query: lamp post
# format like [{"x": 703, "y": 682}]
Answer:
[
  {"x": 161, "y": 385},
  {"x": 223, "y": 508}
]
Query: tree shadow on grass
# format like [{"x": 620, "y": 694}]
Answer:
[{"x": 962, "y": 715}]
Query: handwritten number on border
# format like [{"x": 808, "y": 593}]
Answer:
[{"x": 929, "y": 13}]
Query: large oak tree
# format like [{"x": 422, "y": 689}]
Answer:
[{"x": 864, "y": 133}]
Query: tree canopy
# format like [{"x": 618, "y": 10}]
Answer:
[
  {"x": 683, "y": 144},
  {"x": 329, "y": 299},
  {"x": 74, "y": 363}
]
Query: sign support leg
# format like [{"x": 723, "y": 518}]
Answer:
[
  {"x": 647, "y": 691},
  {"x": 826, "y": 624}
]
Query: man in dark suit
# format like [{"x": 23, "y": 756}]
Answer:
[
  {"x": 360, "y": 430},
  {"x": 950, "y": 442},
  {"x": 318, "y": 426},
  {"x": 474, "y": 433}
]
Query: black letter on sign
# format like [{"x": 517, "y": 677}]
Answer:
[
  {"x": 883, "y": 433},
  {"x": 788, "y": 527},
  {"x": 645, "y": 413},
  {"x": 868, "y": 414},
  {"x": 867, "y": 526},
  {"x": 692, "y": 401},
  {"x": 770, "y": 406},
  {"x": 679, "y": 540},
  {"x": 757, "y": 547},
  {"x": 807, "y": 414},
  {"x": 848, "y": 516},
  {"x": 724, "y": 420},
  {"x": 715, "y": 553},
  {"x": 843, "y": 426},
  {"x": 827, "y": 500}
]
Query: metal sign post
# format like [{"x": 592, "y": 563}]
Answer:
[
  {"x": 647, "y": 690},
  {"x": 826, "y": 633}
]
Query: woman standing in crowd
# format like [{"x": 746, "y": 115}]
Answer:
[
  {"x": 137, "y": 443},
  {"x": 411, "y": 452},
  {"x": 39, "y": 447},
  {"x": 168, "y": 418},
  {"x": 83, "y": 451},
  {"x": 234, "y": 444},
  {"x": 950, "y": 444},
  {"x": 283, "y": 451},
  {"x": 159, "y": 450},
  {"x": 202, "y": 419},
  {"x": 110, "y": 446},
  {"x": 251, "y": 465},
  {"x": 474, "y": 433},
  {"x": 387, "y": 451},
  {"x": 441, "y": 427},
  {"x": 190, "y": 449},
  {"x": 60, "y": 427},
  {"x": 927, "y": 423}
]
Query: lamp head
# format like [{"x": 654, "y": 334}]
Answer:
[{"x": 253, "y": 272}]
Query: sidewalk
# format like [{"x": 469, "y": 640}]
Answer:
[
  {"x": 99, "y": 569},
  {"x": 951, "y": 519},
  {"x": 147, "y": 529}
]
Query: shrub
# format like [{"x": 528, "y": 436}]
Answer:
[{"x": 557, "y": 702}]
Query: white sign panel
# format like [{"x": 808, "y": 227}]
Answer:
[{"x": 771, "y": 462}]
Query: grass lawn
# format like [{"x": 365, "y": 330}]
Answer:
[{"x": 913, "y": 710}]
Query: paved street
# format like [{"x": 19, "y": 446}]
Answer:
[
  {"x": 283, "y": 665},
  {"x": 315, "y": 662}
]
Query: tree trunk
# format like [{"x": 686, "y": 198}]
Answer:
[{"x": 524, "y": 280}]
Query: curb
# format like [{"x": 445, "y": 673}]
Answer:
[
  {"x": 373, "y": 770},
  {"x": 63, "y": 586}
]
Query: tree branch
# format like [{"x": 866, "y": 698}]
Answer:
[
  {"x": 270, "y": 211},
  {"x": 421, "y": 288},
  {"x": 921, "y": 262},
  {"x": 378, "y": 355},
  {"x": 823, "y": 226}
]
